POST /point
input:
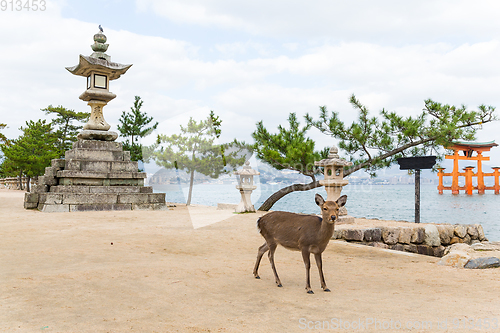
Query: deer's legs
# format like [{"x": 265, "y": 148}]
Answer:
[
  {"x": 261, "y": 252},
  {"x": 319, "y": 263},
  {"x": 272, "y": 248},
  {"x": 307, "y": 262}
]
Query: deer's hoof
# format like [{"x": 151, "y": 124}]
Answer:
[
  {"x": 327, "y": 290},
  {"x": 257, "y": 277},
  {"x": 310, "y": 292},
  {"x": 280, "y": 285}
]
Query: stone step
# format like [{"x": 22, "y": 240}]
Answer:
[
  {"x": 100, "y": 198},
  {"x": 101, "y": 182},
  {"x": 97, "y": 155},
  {"x": 99, "y": 207},
  {"x": 101, "y": 166},
  {"x": 98, "y": 145},
  {"x": 100, "y": 175},
  {"x": 100, "y": 189}
]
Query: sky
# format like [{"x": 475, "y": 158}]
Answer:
[{"x": 254, "y": 60}]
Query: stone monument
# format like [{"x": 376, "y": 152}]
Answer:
[
  {"x": 334, "y": 180},
  {"x": 96, "y": 174}
]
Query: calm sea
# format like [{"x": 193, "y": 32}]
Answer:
[{"x": 385, "y": 202}]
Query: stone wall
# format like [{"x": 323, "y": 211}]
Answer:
[{"x": 428, "y": 239}]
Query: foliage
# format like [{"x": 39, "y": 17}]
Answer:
[
  {"x": 65, "y": 129},
  {"x": 374, "y": 143},
  {"x": 3, "y": 138},
  {"x": 194, "y": 150},
  {"x": 134, "y": 126},
  {"x": 31, "y": 152},
  {"x": 289, "y": 148}
]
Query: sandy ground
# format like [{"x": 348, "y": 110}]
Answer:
[{"x": 153, "y": 272}]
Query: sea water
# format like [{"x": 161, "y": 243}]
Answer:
[{"x": 385, "y": 202}]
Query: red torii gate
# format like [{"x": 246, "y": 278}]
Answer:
[{"x": 468, "y": 148}]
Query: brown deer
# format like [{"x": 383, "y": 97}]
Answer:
[{"x": 305, "y": 233}]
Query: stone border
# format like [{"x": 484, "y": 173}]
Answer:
[{"x": 428, "y": 239}]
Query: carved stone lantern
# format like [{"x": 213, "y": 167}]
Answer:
[
  {"x": 334, "y": 179},
  {"x": 246, "y": 186},
  {"x": 99, "y": 71}
]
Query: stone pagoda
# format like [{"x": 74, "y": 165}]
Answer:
[{"x": 96, "y": 174}]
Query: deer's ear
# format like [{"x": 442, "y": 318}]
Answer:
[
  {"x": 342, "y": 200},
  {"x": 319, "y": 200}
]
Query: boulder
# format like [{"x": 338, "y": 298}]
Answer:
[
  {"x": 397, "y": 247},
  {"x": 480, "y": 232},
  {"x": 405, "y": 235},
  {"x": 486, "y": 246},
  {"x": 455, "y": 259},
  {"x": 446, "y": 233},
  {"x": 467, "y": 239},
  {"x": 432, "y": 235},
  {"x": 472, "y": 231},
  {"x": 438, "y": 251},
  {"x": 373, "y": 235},
  {"x": 338, "y": 234},
  {"x": 354, "y": 235},
  {"x": 390, "y": 235},
  {"x": 460, "y": 230},
  {"x": 482, "y": 263},
  {"x": 418, "y": 235},
  {"x": 410, "y": 248},
  {"x": 456, "y": 240},
  {"x": 458, "y": 247}
]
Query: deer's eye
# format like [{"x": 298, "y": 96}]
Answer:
[{"x": 325, "y": 208}]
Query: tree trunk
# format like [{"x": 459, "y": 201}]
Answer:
[
  {"x": 28, "y": 180},
  {"x": 188, "y": 202},
  {"x": 21, "y": 180},
  {"x": 286, "y": 190}
]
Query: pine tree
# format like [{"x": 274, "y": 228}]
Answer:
[
  {"x": 371, "y": 143},
  {"x": 32, "y": 152},
  {"x": 65, "y": 129},
  {"x": 133, "y": 127},
  {"x": 194, "y": 150}
]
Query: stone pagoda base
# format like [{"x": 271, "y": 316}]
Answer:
[{"x": 95, "y": 175}]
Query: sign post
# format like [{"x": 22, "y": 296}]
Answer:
[{"x": 417, "y": 163}]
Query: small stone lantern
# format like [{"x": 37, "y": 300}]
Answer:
[
  {"x": 246, "y": 186},
  {"x": 334, "y": 178}
]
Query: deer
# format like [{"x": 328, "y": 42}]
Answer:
[{"x": 299, "y": 232}]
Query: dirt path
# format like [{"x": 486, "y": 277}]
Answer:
[{"x": 152, "y": 272}]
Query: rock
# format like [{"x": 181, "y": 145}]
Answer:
[
  {"x": 455, "y": 259},
  {"x": 482, "y": 263},
  {"x": 405, "y": 235},
  {"x": 480, "y": 232},
  {"x": 373, "y": 235},
  {"x": 467, "y": 239},
  {"x": 354, "y": 235},
  {"x": 397, "y": 247},
  {"x": 410, "y": 248},
  {"x": 486, "y": 246},
  {"x": 458, "y": 247},
  {"x": 460, "y": 230},
  {"x": 446, "y": 233},
  {"x": 379, "y": 245},
  {"x": 418, "y": 235},
  {"x": 432, "y": 235},
  {"x": 438, "y": 251},
  {"x": 390, "y": 235},
  {"x": 425, "y": 250},
  {"x": 338, "y": 234},
  {"x": 456, "y": 240},
  {"x": 472, "y": 231}
]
